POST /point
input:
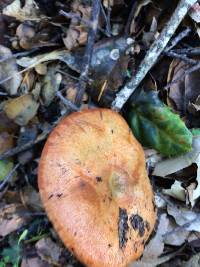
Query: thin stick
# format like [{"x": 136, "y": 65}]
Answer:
[
  {"x": 153, "y": 53},
  {"x": 13, "y": 151},
  {"x": 130, "y": 18},
  {"x": 9, "y": 176},
  {"x": 178, "y": 38},
  {"x": 88, "y": 51},
  {"x": 67, "y": 102}
]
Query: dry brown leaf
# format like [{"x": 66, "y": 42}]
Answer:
[
  {"x": 10, "y": 220},
  {"x": 175, "y": 238},
  {"x": 34, "y": 262},
  {"x": 31, "y": 198},
  {"x": 7, "y": 68},
  {"x": 185, "y": 217},
  {"x": 77, "y": 33},
  {"x": 6, "y": 124},
  {"x": 51, "y": 84},
  {"x": 155, "y": 247},
  {"x": 185, "y": 88},
  {"x": 173, "y": 165},
  {"x": 21, "y": 109},
  {"x": 6, "y": 142},
  {"x": 194, "y": 261},
  {"x": 29, "y": 11},
  {"x": 48, "y": 250}
]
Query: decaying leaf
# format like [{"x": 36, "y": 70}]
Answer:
[
  {"x": 184, "y": 217},
  {"x": 29, "y": 11},
  {"x": 6, "y": 142},
  {"x": 5, "y": 167},
  {"x": 31, "y": 62},
  {"x": 21, "y": 109},
  {"x": 77, "y": 33},
  {"x": 176, "y": 191},
  {"x": 50, "y": 86},
  {"x": 31, "y": 198},
  {"x": 34, "y": 261},
  {"x": 10, "y": 219},
  {"x": 156, "y": 126},
  {"x": 193, "y": 261},
  {"x": 175, "y": 238},
  {"x": 8, "y": 68},
  {"x": 155, "y": 247},
  {"x": 184, "y": 88},
  {"x": 48, "y": 250},
  {"x": 173, "y": 165}
]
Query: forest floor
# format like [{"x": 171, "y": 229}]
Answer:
[{"x": 58, "y": 57}]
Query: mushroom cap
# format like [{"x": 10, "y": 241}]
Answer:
[{"x": 95, "y": 189}]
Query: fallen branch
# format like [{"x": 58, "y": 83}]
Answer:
[{"x": 154, "y": 52}]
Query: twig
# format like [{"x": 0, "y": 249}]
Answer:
[
  {"x": 130, "y": 18},
  {"x": 9, "y": 176},
  {"x": 181, "y": 56},
  {"x": 13, "y": 151},
  {"x": 20, "y": 54},
  {"x": 193, "y": 51},
  {"x": 66, "y": 102},
  {"x": 178, "y": 38},
  {"x": 180, "y": 77},
  {"x": 183, "y": 226},
  {"x": 107, "y": 20},
  {"x": 154, "y": 52},
  {"x": 88, "y": 51}
]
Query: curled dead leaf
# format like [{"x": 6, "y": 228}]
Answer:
[
  {"x": 10, "y": 218},
  {"x": 9, "y": 68},
  {"x": 21, "y": 109}
]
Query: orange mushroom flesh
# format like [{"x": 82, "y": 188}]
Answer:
[{"x": 95, "y": 188}]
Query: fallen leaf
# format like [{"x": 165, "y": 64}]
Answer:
[
  {"x": 31, "y": 198},
  {"x": 5, "y": 167},
  {"x": 193, "y": 261},
  {"x": 21, "y": 109},
  {"x": 173, "y": 165},
  {"x": 29, "y": 11},
  {"x": 6, "y": 142},
  {"x": 48, "y": 250},
  {"x": 175, "y": 238},
  {"x": 9, "y": 68},
  {"x": 185, "y": 217},
  {"x": 10, "y": 219},
  {"x": 176, "y": 191},
  {"x": 155, "y": 246},
  {"x": 31, "y": 62},
  {"x": 6, "y": 124},
  {"x": 184, "y": 88},
  {"x": 35, "y": 261},
  {"x": 76, "y": 33},
  {"x": 51, "y": 84},
  {"x": 156, "y": 126}
]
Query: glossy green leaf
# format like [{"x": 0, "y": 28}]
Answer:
[{"x": 156, "y": 126}]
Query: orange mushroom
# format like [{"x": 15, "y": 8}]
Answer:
[{"x": 95, "y": 188}]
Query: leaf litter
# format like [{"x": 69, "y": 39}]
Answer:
[{"x": 42, "y": 46}]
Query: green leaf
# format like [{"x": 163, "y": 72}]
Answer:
[
  {"x": 12, "y": 254},
  {"x": 195, "y": 131},
  {"x": 5, "y": 167},
  {"x": 156, "y": 126}
]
